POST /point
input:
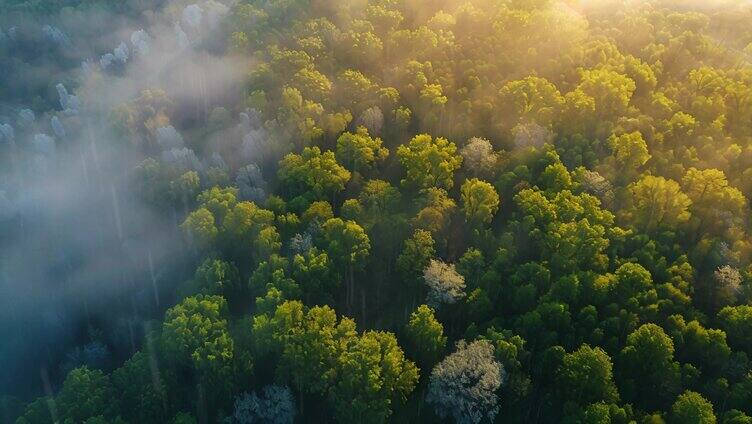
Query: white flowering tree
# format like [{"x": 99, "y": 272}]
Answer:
[
  {"x": 465, "y": 383},
  {"x": 728, "y": 282},
  {"x": 445, "y": 284},
  {"x": 478, "y": 156}
]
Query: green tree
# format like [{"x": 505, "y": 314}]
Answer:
[
  {"x": 704, "y": 347},
  {"x": 631, "y": 280},
  {"x": 308, "y": 343},
  {"x": 218, "y": 277},
  {"x": 691, "y": 408},
  {"x": 735, "y": 416},
  {"x": 85, "y": 394},
  {"x": 656, "y": 203},
  {"x": 195, "y": 333},
  {"x": 267, "y": 243},
  {"x": 576, "y": 245},
  {"x": 416, "y": 253},
  {"x": 585, "y": 376},
  {"x": 556, "y": 178},
  {"x": 429, "y": 162},
  {"x": 600, "y": 412},
  {"x": 611, "y": 91},
  {"x": 200, "y": 228},
  {"x": 737, "y": 322},
  {"x": 317, "y": 276},
  {"x": 426, "y": 336},
  {"x": 380, "y": 199},
  {"x": 372, "y": 376},
  {"x": 530, "y": 99},
  {"x": 218, "y": 201},
  {"x": 185, "y": 188},
  {"x": 242, "y": 228},
  {"x": 629, "y": 154},
  {"x": 357, "y": 88},
  {"x": 319, "y": 211},
  {"x": 142, "y": 388},
  {"x": 716, "y": 206},
  {"x": 350, "y": 245},
  {"x": 381, "y": 215},
  {"x": 313, "y": 171},
  {"x": 299, "y": 117},
  {"x": 312, "y": 84},
  {"x": 436, "y": 212},
  {"x": 649, "y": 374},
  {"x": 479, "y": 201},
  {"x": 39, "y": 411},
  {"x": 359, "y": 151}
]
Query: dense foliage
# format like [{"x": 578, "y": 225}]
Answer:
[{"x": 468, "y": 210}]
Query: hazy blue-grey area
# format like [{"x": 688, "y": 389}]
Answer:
[{"x": 81, "y": 257}]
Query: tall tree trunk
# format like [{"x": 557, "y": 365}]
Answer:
[
  {"x": 351, "y": 283},
  {"x": 363, "y": 306}
]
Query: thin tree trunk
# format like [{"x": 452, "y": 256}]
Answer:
[
  {"x": 351, "y": 290},
  {"x": 363, "y": 306}
]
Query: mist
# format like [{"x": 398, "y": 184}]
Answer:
[{"x": 82, "y": 257}]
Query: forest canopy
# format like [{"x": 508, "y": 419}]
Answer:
[{"x": 387, "y": 210}]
